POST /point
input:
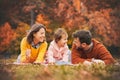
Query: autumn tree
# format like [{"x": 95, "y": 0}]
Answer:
[
  {"x": 7, "y": 35},
  {"x": 101, "y": 17},
  {"x": 21, "y": 31},
  {"x": 11, "y": 11}
]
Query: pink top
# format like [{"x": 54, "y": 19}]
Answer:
[{"x": 55, "y": 53}]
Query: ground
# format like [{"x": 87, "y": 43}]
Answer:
[{"x": 9, "y": 71}]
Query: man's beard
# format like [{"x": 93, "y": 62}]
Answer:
[{"x": 80, "y": 48}]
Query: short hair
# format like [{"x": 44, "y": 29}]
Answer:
[
  {"x": 83, "y": 35},
  {"x": 59, "y": 33},
  {"x": 34, "y": 29}
]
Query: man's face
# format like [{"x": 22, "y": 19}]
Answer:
[{"x": 77, "y": 43}]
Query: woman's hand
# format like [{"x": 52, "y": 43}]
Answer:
[
  {"x": 51, "y": 63},
  {"x": 28, "y": 53}
]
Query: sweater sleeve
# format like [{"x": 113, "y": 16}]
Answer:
[
  {"x": 50, "y": 54},
  {"x": 105, "y": 55},
  {"x": 41, "y": 52},
  {"x": 66, "y": 54},
  {"x": 76, "y": 57},
  {"x": 23, "y": 48}
]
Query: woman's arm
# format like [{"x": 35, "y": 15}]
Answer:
[{"x": 23, "y": 48}]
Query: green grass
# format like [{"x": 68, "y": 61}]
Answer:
[{"x": 54, "y": 72}]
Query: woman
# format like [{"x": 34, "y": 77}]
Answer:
[{"x": 33, "y": 47}]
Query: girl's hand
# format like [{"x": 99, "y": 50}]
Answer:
[{"x": 52, "y": 63}]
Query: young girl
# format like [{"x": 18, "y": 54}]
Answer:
[
  {"x": 58, "y": 51},
  {"x": 33, "y": 47}
]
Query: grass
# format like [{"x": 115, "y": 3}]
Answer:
[{"x": 55, "y": 72}]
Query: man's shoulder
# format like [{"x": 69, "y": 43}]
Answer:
[
  {"x": 97, "y": 43},
  {"x": 95, "y": 40}
]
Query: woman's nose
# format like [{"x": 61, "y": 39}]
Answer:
[{"x": 43, "y": 35}]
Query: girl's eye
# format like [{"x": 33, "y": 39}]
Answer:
[{"x": 65, "y": 39}]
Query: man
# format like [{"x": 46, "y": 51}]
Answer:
[{"x": 88, "y": 51}]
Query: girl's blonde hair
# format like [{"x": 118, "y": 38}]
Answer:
[{"x": 59, "y": 33}]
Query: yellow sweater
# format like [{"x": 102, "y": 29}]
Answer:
[{"x": 37, "y": 55}]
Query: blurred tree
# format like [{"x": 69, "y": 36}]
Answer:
[
  {"x": 11, "y": 11},
  {"x": 21, "y": 31},
  {"x": 6, "y": 37},
  {"x": 102, "y": 18}
]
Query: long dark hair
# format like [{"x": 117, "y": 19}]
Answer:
[{"x": 34, "y": 29}]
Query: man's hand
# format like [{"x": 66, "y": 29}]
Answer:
[
  {"x": 94, "y": 61},
  {"x": 87, "y": 63},
  {"x": 97, "y": 61}
]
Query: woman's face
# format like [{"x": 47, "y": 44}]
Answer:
[
  {"x": 62, "y": 41},
  {"x": 40, "y": 35}
]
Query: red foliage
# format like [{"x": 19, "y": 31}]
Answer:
[
  {"x": 105, "y": 26},
  {"x": 101, "y": 17},
  {"x": 7, "y": 35},
  {"x": 43, "y": 20}
]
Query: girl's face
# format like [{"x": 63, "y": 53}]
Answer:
[
  {"x": 39, "y": 36},
  {"x": 62, "y": 41}
]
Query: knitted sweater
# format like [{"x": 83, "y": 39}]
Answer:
[
  {"x": 98, "y": 52},
  {"x": 37, "y": 54}
]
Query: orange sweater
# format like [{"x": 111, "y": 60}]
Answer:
[
  {"x": 37, "y": 55},
  {"x": 98, "y": 52}
]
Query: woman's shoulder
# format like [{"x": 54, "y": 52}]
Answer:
[
  {"x": 24, "y": 38},
  {"x": 45, "y": 43}
]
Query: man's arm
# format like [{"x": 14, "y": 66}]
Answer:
[
  {"x": 105, "y": 55},
  {"x": 76, "y": 57}
]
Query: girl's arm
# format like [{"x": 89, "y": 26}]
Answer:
[
  {"x": 50, "y": 54},
  {"x": 67, "y": 54}
]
